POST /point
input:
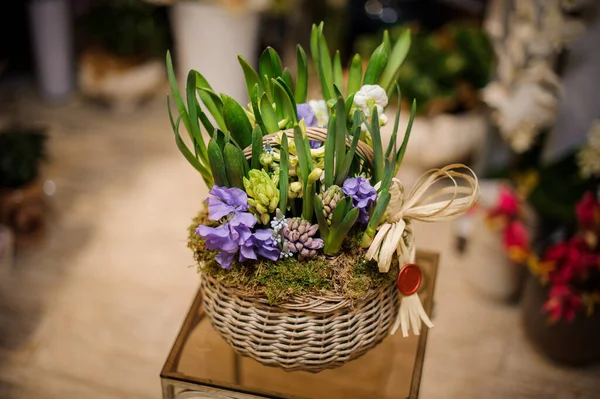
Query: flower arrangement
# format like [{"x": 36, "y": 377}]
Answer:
[{"x": 303, "y": 200}]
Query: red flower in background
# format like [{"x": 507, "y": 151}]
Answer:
[
  {"x": 516, "y": 241},
  {"x": 588, "y": 212},
  {"x": 563, "y": 303},
  {"x": 573, "y": 260},
  {"x": 508, "y": 203}
]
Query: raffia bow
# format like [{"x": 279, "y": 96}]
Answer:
[{"x": 426, "y": 202}]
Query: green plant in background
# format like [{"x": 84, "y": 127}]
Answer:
[
  {"x": 262, "y": 158},
  {"x": 443, "y": 69},
  {"x": 129, "y": 28},
  {"x": 21, "y": 152}
]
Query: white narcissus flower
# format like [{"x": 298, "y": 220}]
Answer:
[
  {"x": 370, "y": 96},
  {"x": 589, "y": 157},
  {"x": 319, "y": 107}
]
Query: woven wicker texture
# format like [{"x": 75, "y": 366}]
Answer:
[
  {"x": 309, "y": 334},
  {"x": 317, "y": 134}
]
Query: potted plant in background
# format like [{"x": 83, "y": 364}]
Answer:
[
  {"x": 490, "y": 239},
  {"x": 444, "y": 71},
  {"x": 22, "y": 199},
  {"x": 123, "y": 42},
  {"x": 561, "y": 300},
  {"x": 306, "y": 230}
]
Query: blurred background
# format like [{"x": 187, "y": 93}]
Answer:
[{"x": 95, "y": 199}]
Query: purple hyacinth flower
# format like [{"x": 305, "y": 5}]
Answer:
[
  {"x": 229, "y": 238},
  {"x": 362, "y": 194},
  {"x": 225, "y": 201},
  {"x": 306, "y": 112},
  {"x": 266, "y": 245}
]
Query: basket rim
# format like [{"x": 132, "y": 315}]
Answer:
[{"x": 312, "y": 303}]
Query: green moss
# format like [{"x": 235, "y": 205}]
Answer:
[{"x": 348, "y": 274}]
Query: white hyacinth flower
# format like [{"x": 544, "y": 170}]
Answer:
[{"x": 319, "y": 107}]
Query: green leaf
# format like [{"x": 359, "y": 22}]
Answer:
[
  {"x": 302, "y": 78},
  {"x": 237, "y": 121},
  {"x": 289, "y": 81},
  {"x": 286, "y": 100},
  {"x": 251, "y": 76},
  {"x": 402, "y": 150},
  {"x": 338, "y": 237},
  {"x": 256, "y": 109},
  {"x": 354, "y": 76},
  {"x": 376, "y": 65},
  {"x": 392, "y": 69},
  {"x": 392, "y": 143},
  {"x": 270, "y": 64},
  {"x": 192, "y": 104},
  {"x": 217, "y": 164},
  {"x": 284, "y": 170},
  {"x": 206, "y": 122},
  {"x": 325, "y": 60},
  {"x": 340, "y": 136},
  {"x": 343, "y": 173},
  {"x": 182, "y": 111},
  {"x": 268, "y": 115},
  {"x": 323, "y": 226},
  {"x": 206, "y": 174},
  {"x": 330, "y": 153},
  {"x": 377, "y": 148},
  {"x": 257, "y": 147},
  {"x": 341, "y": 209},
  {"x": 303, "y": 161},
  {"x": 321, "y": 57},
  {"x": 383, "y": 199},
  {"x": 387, "y": 42},
  {"x": 349, "y": 104},
  {"x": 235, "y": 165},
  {"x": 308, "y": 200},
  {"x": 211, "y": 100},
  {"x": 338, "y": 78}
]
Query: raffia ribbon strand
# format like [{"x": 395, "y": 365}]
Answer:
[{"x": 428, "y": 203}]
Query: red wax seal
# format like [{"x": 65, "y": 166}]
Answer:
[{"x": 409, "y": 279}]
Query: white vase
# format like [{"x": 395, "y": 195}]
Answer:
[
  {"x": 442, "y": 139},
  {"x": 52, "y": 47},
  {"x": 484, "y": 262},
  {"x": 208, "y": 38}
]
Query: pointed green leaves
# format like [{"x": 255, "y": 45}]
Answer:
[
  {"x": 378, "y": 163},
  {"x": 236, "y": 165},
  {"x": 376, "y": 65},
  {"x": 395, "y": 60},
  {"x": 217, "y": 164},
  {"x": 270, "y": 64},
  {"x": 402, "y": 150},
  {"x": 268, "y": 115},
  {"x": 354, "y": 76},
  {"x": 338, "y": 78},
  {"x": 257, "y": 147},
  {"x": 302, "y": 78},
  {"x": 322, "y": 60},
  {"x": 237, "y": 122},
  {"x": 251, "y": 76},
  {"x": 284, "y": 170}
]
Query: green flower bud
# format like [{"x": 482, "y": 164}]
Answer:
[
  {"x": 266, "y": 159},
  {"x": 315, "y": 175},
  {"x": 263, "y": 194}
]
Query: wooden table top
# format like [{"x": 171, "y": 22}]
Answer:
[{"x": 393, "y": 369}]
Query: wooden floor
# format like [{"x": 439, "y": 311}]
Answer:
[{"x": 93, "y": 311}]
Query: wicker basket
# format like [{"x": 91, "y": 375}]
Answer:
[{"x": 308, "y": 333}]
